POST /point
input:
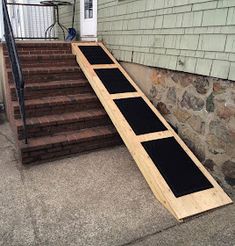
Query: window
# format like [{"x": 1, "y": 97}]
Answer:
[{"x": 88, "y": 5}]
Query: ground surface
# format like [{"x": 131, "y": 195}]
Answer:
[{"x": 99, "y": 198}]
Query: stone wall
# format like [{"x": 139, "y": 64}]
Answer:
[{"x": 201, "y": 109}]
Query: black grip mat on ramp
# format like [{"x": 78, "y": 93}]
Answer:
[
  {"x": 114, "y": 80},
  {"x": 176, "y": 167},
  {"x": 139, "y": 115},
  {"x": 95, "y": 55}
]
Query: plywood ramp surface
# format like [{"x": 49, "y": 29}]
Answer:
[{"x": 176, "y": 177}]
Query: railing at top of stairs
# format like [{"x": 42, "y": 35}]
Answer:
[{"x": 15, "y": 65}]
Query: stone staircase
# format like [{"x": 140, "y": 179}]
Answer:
[{"x": 64, "y": 116}]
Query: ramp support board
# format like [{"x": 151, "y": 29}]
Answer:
[{"x": 176, "y": 177}]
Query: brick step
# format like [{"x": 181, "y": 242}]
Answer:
[
  {"x": 53, "y": 88},
  {"x": 43, "y": 44},
  {"x": 64, "y": 116},
  {"x": 57, "y": 105},
  {"x": 28, "y": 61},
  {"x": 44, "y": 51},
  {"x": 39, "y": 51},
  {"x": 43, "y": 74},
  {"x": 42, "y": 48},
  {"x": 49, "y": 125},
  {"x": 69, "y": 143}
]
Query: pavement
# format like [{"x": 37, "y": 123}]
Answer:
[{"x": 97, "y": 198}]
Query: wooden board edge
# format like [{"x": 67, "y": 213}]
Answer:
[
  {"x": 105, "y": 66},
  {"x": 124, "y": 95},
  {"x": 154, "y": 136}
]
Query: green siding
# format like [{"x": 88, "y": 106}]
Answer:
[
  {"x": 66, "y": 17},
  {"x": 160, "y": 33}
]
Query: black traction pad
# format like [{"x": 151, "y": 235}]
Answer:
[
  {"x": 176, "y": 167},
  {"x": 95, "y": 55},
  {"x": 114, "y": 80},
  {"x": 139, "y": 115}
]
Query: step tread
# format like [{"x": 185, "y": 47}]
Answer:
[
  {"x": 54, "y": 84},
  {"x": 50, "y": 69},
  {"x": 69, "y": 137},
  {"x": 44, "y": 56},
  {"x": 47, "y": 101},
  {"x": 63, "y": 118},
  {"x": 42, "y": 44}
]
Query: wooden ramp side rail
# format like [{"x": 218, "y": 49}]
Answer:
[{"x": 181, "y": 207}]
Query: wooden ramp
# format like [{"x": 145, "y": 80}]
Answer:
[{"x": 177, "y": 178}]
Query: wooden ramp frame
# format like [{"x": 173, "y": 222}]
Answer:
[{"x": 182, "y": 206}]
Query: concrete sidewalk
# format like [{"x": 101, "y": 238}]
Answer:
[{"x": 99, "y": 198}]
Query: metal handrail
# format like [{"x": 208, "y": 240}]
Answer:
[{"x": 15, "y": 65}]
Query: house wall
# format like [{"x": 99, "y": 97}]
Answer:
[
  {"x": 195, "y": 36},
  {"x": 66, "y": 13},
  {"x": 200, "y": 108},
  {"x": 182, "y": 54}
]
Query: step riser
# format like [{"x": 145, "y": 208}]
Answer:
[
  {"x": 34, "y": 94},
  {"x": 44, "y": 52},
  {"x": 56, "y": 63},
  {"x": 61, "y": 151},
  {"x": 37, "y": 78},
  {"x": 33, "y": 47},
  {"x": 48, "y": 44},
  {"x": 47, "y": 57},
  {"x": 40, "y": 52},
  {"x": 30, "y": 48},
  {"x": 44, "y": 48},
  {"x": 59, "y": 108},
  {"x": 40, "y": 131}
]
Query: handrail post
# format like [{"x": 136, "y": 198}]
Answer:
[{"x": 15, "y": 66}]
